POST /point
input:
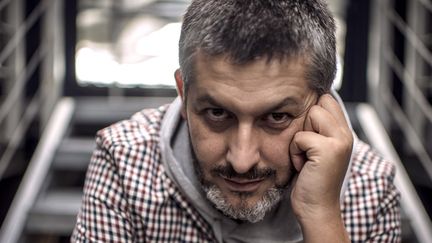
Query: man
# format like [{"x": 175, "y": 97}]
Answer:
[{"x": 255, "y": 149}]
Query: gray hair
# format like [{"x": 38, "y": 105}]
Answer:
[
  {"x": 245, "y": 212},
  {"x": 245, "y": 30}
]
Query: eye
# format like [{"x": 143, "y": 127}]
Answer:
[
  {"x": 216, "y": 114},
  {"x": 277, "y": 118}
]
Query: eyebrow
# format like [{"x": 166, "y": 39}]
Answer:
[
  {"x": 207, "y": 98},
  {"x": 287, "y": 101}
]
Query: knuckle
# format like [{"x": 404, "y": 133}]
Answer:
[
  {"x": 297, "y": 136},
  {"x": 314, "y": 109}
]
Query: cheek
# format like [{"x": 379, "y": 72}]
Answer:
[
  {"x": 275, "y": 152},
  {"x": 275, "y": 149},
  {"x": 209, "y": 147}
]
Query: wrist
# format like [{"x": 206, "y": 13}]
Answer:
[
  {"x": 322, "y": 205},
  {"x": 317, "y": 213},
  {"x": 322, "y": 224}
]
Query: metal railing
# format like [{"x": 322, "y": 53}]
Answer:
[
  {"x": 37, "y": 171},
  {"x": 399, "y": 76},
  {"x": 17, "y": 71}
]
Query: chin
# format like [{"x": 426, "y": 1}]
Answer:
[{"x": 244, "y": 206}]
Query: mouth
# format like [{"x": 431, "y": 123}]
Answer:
[{"x": 242, "y": 185}]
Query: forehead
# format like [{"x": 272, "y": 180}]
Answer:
[
  {"x": 262, "y": 67},
  {"x": 258, "y": 83}
]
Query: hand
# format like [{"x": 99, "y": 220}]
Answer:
[{"x": 320, "y": 153}]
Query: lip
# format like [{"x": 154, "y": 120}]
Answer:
[{"x": 242, "y": 185}]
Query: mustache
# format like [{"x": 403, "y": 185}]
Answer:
[{"x": 252, "y": 174}]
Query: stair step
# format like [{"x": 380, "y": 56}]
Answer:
[
  {"x": 74, "y": 153},
  {"x": 55, "y": 212},
  {"x": 93, "y": 110}
]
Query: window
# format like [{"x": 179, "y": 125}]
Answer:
[{"x": 127, "y": 43}]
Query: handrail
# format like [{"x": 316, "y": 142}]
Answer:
[
  {"x": 18, "y": 134},
  {"x": 410, "y": 35},
  {"x": 16, "y": 91},
  {"x": 37, "y": 170},
  {"x": 25, "y": 74},
  {"x": 408, "y": 81},
  {"x": 381, "y": 64},
  {"x": 4, "y": 3},
  {"x": 427, "y": 4},
  {"x": 23, "y": 29},
  {"x": 4, "y": 71},
  {"x": 410, "y": 201},
  {"x": 408, "y": 130}
]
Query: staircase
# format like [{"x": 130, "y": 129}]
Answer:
[{"x": 47, "y": 202}]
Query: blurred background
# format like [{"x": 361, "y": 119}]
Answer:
[{"x": 70, "y": 68}]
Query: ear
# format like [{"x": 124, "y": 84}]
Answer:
[
  {"x": 180, "y": 90},
  {"x": 179, "y": 83}
]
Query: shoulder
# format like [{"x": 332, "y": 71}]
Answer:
[
  {"x": 142, "y": 127},
  {"x": 371, "y": 204},
  {"x": 133, "y": 151},
  {"x": 367, "y": 162},
  {"x": 371, "y": 177},
  {"x": 151, "y": 196}
]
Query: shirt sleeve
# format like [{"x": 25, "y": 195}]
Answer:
[
  {"x": 371, "y": 208},
  {"x": 104, "y": 215},
  {"x": 387, "y": 226}
]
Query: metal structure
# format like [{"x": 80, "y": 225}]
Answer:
[
  {"x": 31, "y": 78},
  {"x": 31, "y": 66},
  {"x": 48, "y": 199},
  {"x": 20, "y": 104},
  {"x": 400, "y": 85}
]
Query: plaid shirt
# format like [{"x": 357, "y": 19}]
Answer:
[{"x": 128, "y": 196}]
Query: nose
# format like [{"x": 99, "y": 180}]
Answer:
[{"x": 243, "y": 152}]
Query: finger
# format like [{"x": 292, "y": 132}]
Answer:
[
  {"x": 321, "y": 121},
  {"x": 330, "y": 104},
  {"x": 297, "y": 155},
  {"x": 301, "y": 148},
  {"x": 298, "y": 158},
  {"x": 294, "y": 182}
]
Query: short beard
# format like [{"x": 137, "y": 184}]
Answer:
[{"x": 244, "y": 212}]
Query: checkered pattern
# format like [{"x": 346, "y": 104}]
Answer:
[
  {"x": 128, "y": 197},
  {"x": 371, "y": 206}
]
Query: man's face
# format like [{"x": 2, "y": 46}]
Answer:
[{"x": 241, "y": 121}]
